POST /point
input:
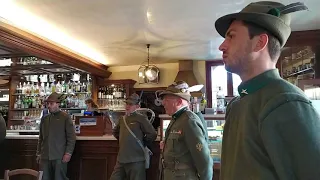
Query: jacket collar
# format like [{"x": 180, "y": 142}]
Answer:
[{"x": 258, "y": 82}]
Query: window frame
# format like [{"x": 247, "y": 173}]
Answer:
[{"x": 209, "y": 65}]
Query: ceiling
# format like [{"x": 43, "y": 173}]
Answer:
[{"x": 115, "y": 32}]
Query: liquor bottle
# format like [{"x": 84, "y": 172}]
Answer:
[
  {"x": 15, "y": 106},
  {"x": 48, "y": 89},
  {"x": 203, "y": 103},
  {"x": 53, "y": 87},
  {"x": 121, "y": 91},
  {"x": 19, "y": 102},
  {"x": 58, "y": 87},
  {"x": 100, "y": 93},
  {"x": 220, "y": 101},
  {"x": 89, "y": 86},
  {"x": 37, "y": 89},
  {"x": 195, "y": 105}
]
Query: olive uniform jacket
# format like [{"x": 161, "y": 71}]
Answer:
[
  {"x": 271, "y": 132},
  {"x": 57, "y": 136},
  {"x": 129, "y": 149},
  {"x": 186, "y": 144}
]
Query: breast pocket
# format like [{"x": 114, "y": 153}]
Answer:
[{"x": 173, "y": 143}]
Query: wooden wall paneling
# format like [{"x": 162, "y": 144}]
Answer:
[
  {"x": 304, "y": 38},
  {"x": 90, "y": 160},
  {"x": 93, "y": 168}
]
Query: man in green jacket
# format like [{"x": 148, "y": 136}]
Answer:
[
  {"x": 131, "y": 159},
  {"x": 272, "y": 129},
  {"x": 186, "y": 153},
  {"x": 56, "y": 141}
]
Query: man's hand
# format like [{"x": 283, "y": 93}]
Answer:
[
  {"x": 38, "y": 159},
  {"x": 66, "y": 158}
]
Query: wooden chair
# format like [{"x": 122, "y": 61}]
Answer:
[{"x": 31, "y": 172}]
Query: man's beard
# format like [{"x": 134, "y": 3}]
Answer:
[{"x": 241, "y": 61}]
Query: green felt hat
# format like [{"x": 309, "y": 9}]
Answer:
[
  {"x": 179, "y": 88},
  {"x": 272, "y": 16},
  {"x": 134, "y": 99},
  {"x": 55, "y": 97}
]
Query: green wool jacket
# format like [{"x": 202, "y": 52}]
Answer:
[
  {"x": 57, "y": 136},
  {"x": 186, "y": 144},
  {"x": 271, "y": 132},
  {"x": 129, "y": 149}
]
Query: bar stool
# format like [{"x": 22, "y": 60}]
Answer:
[{"x": 31, "y": 172}]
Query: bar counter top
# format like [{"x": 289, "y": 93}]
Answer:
[
  {"x": 91, "y": 138},
  {"x": 79, "y": 138},
  {"x": 206, "y": 116}
]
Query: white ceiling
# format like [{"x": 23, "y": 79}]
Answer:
[{"x": 119, "y": 29}]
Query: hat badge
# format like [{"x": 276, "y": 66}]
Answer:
[{"x": 183, "y": 90}]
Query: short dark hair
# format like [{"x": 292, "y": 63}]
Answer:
[{"x": 274, "y": 46}]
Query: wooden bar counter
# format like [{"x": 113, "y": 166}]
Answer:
[{"x": 94, "y": 157}]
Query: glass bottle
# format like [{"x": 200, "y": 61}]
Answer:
[{"x": 220, "y": 101}]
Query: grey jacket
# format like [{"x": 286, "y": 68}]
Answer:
[
  {"x": 57, "y": 136},
  {"x": 129, "y": 149}
]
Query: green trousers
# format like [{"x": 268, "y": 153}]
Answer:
[
  {"x": 183, "y": 174},
  {"x": 129, "y": 171},
  {"x": 54, "y": 170}
]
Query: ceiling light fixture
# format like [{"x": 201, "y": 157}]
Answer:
[{"x": 148, "y": 74}]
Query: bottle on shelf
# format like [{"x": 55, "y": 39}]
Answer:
[
  {"x": 203, "y": 103},
  {"x": 220, "y": 101},
  {"x": 195, "y": 105}
]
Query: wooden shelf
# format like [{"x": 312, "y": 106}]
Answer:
[
  {"x": 60, "y": 93},
  {"x": 73, "y": 108},
  {"x": 299, "y": 72},
  {"x": 26, "y": 109}
]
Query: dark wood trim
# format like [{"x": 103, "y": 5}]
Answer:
[
  {"x": 304, "y": 38},
  {"x": 229, "y": 84},
  {"x": 209, "y": 64},
  {"x": 26, "y": 42},
  {"x": 303, "y": 82},
  {"x": 149, "y": 89},
  {"x": 105, "y": 82}
]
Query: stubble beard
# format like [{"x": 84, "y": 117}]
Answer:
[{"x": 240, "y": 61}]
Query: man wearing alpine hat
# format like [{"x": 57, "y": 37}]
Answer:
[
  {"x": 186, "y": 153},
  {"x": 272, "y": 129},
  {"x": 57, "y": 140},
  {"x": 131, "y": 158}
]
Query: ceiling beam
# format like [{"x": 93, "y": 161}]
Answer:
[{"x": 33, "y": 45}]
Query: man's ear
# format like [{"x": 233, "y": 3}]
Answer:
[
  {"x": 261, "y": 42},
  {"x": 179, "y": 100}
]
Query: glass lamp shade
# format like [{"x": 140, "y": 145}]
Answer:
[{"x": 148, "y": 74}]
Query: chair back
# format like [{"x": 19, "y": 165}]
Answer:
[{"x": 31, "y": 172}]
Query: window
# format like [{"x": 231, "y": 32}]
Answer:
[{"x": 217, "y": 76}]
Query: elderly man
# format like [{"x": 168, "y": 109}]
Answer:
[
  {"x": 56, "y": 140},
  {"x": 272, "y": 129},
  {"x": 131, "y": 159},
  {"x": 186, "y": 154}
]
